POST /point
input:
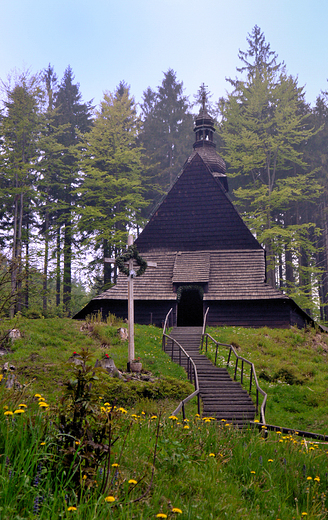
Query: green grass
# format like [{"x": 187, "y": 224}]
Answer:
[
  {"x": 291, "y": 366},
  {"x": 208, "y": 470}
]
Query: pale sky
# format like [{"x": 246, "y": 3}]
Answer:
[{"x": 106, "y": 41}]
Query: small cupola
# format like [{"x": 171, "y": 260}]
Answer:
[{"x": 205, "y": 146}]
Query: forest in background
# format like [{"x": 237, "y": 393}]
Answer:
[{"x": 76, "y": 179}]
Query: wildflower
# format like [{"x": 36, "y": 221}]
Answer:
[
  {"x": 22, "y": 405},
  {"x": 161, "y": 515},
  {"x": 19, "y": 411},
  {"x": 43, "y": 405},
  {"x": 154, "y": 417},
  {"x": 174, "y": 418},
  {"x": 186, "y": 427},
  {"x": 309, "y": 478},
  {"x": 256, "y": 420},
  {"x": 143, "y": 413},
  {"x": 317, "y": 479},
  {"x": 197, "y": 415},
  {"x": 77, "y": 442},
  {"x": 8, "y": 412},
  {"x": 253, "y": 472},
  {"x": 270, "y": 460},
  {"x": 223, "y": 420},
  {"x": 5, "y": 407},
  {"x": 41, "y": 398},
  {"x": 122, "y": 410},
  {"x": 84, "y": 477},
  {"x": 177, "y": 511},
  {"x": 115, "y": 465},
  {"x": 110, "y": 499},
  {"x": 37, "y": 396},
  {"x": 212, "y": 455},
  {"x": 132, "y": 481},
  {"x": 42, "y": 444},
  {"x": 311, "y": 448},
  {"x": 71, "y": 508},
  {"x": 304, "y": 514}
]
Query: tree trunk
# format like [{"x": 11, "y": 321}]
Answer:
[
  {"x": 67, "y": 279},
  {"x": 58, "y": 280},
  {"x": 45, "y": 265}
]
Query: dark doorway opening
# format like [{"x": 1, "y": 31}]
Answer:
[{"x": 190, "y": 309}]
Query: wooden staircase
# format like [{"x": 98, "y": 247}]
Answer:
[{"x": 222, "y": 397}]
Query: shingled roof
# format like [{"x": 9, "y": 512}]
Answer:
[{"x": 196, "y": 215}]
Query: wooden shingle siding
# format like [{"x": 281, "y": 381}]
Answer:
[{"x": 191, "y": 267}]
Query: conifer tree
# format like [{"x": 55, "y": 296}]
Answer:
[
  {"x": 76, "y": 116},
  {"x": 264, "y": 126},
  {"x": 167, "y": 134},
  {"x": 112, "y": 192},
  {"x": 20, "y": 130}
]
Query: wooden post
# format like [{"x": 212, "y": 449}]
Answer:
[{"x": 130, "y": 308}]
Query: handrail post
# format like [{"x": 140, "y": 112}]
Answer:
[
  {"x": 236, "y": 366},
  {"x": 242, "y": 371},
  {"x": 250, "y": 379},
  {"x": 229, "y": 356},
  {"x": 257, "y": 400},
  {"x": 206, "y": 342},
  {"x": 172, "y": 349},
  {"x": 216, "y": 353}
]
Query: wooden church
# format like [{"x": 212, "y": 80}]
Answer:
[{"x": 206, "y": 256}]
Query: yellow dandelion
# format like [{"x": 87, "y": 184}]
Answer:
[
  {"x": 122, "y": 410},
  {"x": 5, "y": 407},
  {"x": 84, "y": 477},
  {"x": 115, "y": 465},
  {"x": 253, "y": 472},
  {"x": 132, "y": 481},
  {"x": 177, "y": 511},
  {"x": 143, "y": 413},
  {"x": 197, "y": 415},
  {"x": 212, "y": 455},
  {"x": 317, "y": 479},
  {"x": 43, "y": 405},
  {"x": 270, "y": 460},
  {"x": 311, "y": 448},
  {"x": 106, "y": 404},
  {"x": 278, "y": 433},
  {"x": 173, "y": 417},
  {"x": 8, "y": 412},
  {"x": 161, "y": 515},
  {"x": 77, "y": 443},
  {"x": 37, "y": 396},
  {"x": 22, "y": 405},
  {"x": 110, "y": 499},
  {"x": 41, "y": 399},
  {"x": 42, "y": 443},
  {"x": 304, "y": 514},
  {"x": 154, "y": 417},
  {"x": 256, "y": 420},
  {"x": 19, "y": 411},
  {"x": 309, "y": 478},
  {"x": 71, "y": 508},
  {"x": 186, "y": 427}
]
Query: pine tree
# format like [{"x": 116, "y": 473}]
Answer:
[
  {"x": 167, "y": 130},
  {"x": 112, "y": 192},
  {"x": 264, "y": 127},
  {"x": 76, "y": 116},
  {"x": 20, "y": 130}
]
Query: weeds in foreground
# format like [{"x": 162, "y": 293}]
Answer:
[{"x": 88, "y": 458}]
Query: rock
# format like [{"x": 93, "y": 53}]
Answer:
[
  {"x": 108, "y": 364},
  {"x": 14, "y": 334},
  {"x": 123, "y": 333}
]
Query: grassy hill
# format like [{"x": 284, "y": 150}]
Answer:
[{"x": 98, "y": 447}]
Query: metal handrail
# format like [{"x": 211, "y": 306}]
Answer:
[
  {"x": 252, "y": 374},
  {"x": 190, "y": 365},
  {"x": 191, "y": 373},
  {"x": 166, "y": 320}
]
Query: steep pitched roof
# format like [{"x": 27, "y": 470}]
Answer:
[{"x": 196, "y": 215}]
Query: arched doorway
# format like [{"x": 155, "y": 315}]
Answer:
[{"x": 190, "y": 307}]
